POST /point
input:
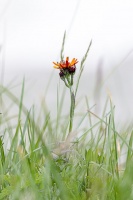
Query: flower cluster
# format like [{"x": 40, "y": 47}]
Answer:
[{"x": 67, "y": 70}]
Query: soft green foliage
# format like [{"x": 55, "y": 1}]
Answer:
[
  {"x": 89, "y": 170},
  {"x": 37, "y": 165}
]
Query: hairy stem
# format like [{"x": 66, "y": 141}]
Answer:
[{"x": 72, "y": 108}]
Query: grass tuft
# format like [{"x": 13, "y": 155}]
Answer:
[{"x": 40, "y": 160}]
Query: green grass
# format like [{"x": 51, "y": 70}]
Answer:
[{"x": 40, "y": 159}]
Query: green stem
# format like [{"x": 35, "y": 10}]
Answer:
[
  {"x": 72, "y": 108},
  {"x": 67, "y": 84},
  {"x": 71, "y": 79},
  {"x": 68, "y": 79}
]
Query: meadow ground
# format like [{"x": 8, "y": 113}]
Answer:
[{"x": 71, "y": 155}]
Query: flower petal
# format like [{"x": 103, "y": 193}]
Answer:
[
  {"x": 67, "y": 63},
  {"x": 67, "y": 58},
  {"x": 73, "y": 62},
  {"x": 58, "y": 64},
  {"x": 56, "y": 67}
]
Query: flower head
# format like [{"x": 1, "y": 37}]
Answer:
[
  {"x": 65, "y": 64},
  {"x": 67, "y": 70}
]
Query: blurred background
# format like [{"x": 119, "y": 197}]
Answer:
[{"x": 31, "y": 33}]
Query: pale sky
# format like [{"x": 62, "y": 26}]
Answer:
[{"x": 31, "y": 31}]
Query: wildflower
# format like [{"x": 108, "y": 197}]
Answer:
[
  {"x": 65, "y": 64},
  {"x": 67, "y": 70}
]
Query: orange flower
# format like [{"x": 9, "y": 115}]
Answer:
[{"x": 65, "y": 64}]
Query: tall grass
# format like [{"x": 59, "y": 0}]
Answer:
[{"x": 43, "y": 160}]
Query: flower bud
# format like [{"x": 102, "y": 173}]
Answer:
[
  {"x": 72, "y": 69},
  {"x": 61, "y": 74}
]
